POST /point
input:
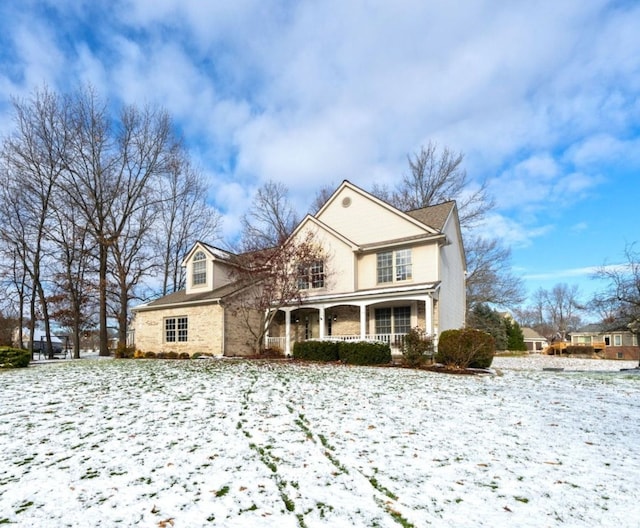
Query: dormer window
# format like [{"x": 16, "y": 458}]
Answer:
[{"x": 199, "y": 269}]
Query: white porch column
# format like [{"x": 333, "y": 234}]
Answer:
[
  {"x": 321, "y": 322},
  {"x": 428, "y": 315},
  {"x": 363, "y": 321},
  {"x": 287, "y": 332}
]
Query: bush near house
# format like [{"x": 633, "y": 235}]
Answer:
[
  {"x": 417, "y": 347},
  {"x": 466, "y": 348},
  {"x": 316, "y": 350},
  {"x": 349, "y": 352},
  {"x": 364, "y": 353},
  {"x": 14, "y": 358}
]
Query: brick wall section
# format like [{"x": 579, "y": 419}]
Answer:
[
  {"x": 204, "y": 330},
  {"x": 239, "y": 340},
  {"x": 621, "y": 352}
]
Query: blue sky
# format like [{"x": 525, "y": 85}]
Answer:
[{"x": 542, "y": 97}]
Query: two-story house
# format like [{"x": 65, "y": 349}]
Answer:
[{"x": 386, "y": 271}]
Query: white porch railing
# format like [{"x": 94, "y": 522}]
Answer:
[{"x": 276, "y": 342}]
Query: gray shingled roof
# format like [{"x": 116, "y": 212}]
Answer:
[
  {"x": 434, "y": 216},
  {"x": 181, "y": 297}
]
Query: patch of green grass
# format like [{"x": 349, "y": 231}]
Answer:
[
  {"x": 521, "y": 499},
  {"x": 222, "y": 491},
  {"x": 374, "y": 482},
  {"x": 24, "y": 507}
]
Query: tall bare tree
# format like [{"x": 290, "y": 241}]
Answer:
[
  {"x": 184, "y": 217},
  {"x": 110, "y": 170},
  {"x": 621, "y": 298},
  {"x": 32, "y": 168},
  {"x": 73, "y": 280},
  {"x": 554, "y": 312},
  {"x": 489, "y": 275},
  {"x": 437, "y": 175},
  {"x": 270, "y": 219}
]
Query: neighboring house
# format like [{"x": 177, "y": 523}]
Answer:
[
  {"x": 609, "y": 341},
  {"x": 385, "y": 272},
  {"x": 533, "y": 340}
]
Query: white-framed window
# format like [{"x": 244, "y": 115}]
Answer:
[
  {"x": 199, "y": 269},
  {"x": 617, "y": 340},
  {"x": 176, "y": 329},
  {"x": 396, "y": 320},
  {"x": 311, "y": 276},
  {"x": 394, "y": 266}
]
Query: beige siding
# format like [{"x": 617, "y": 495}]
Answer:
[
  {"x": 364, "y": 221},
  {"x": 205, "y": 333},
  {"x": 218, "y": 274},
  {"x": 339, "y": 262},
  {"x": 424, "y": 259}
]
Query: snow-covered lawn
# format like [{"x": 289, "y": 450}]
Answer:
[{"x": 243, "y": 444}]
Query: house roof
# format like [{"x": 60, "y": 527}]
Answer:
[
  {"x": 181, "y": 297},
  {"x": 531, "y": 334},
  {"x": 434, "y": 216},
  {"x": 214, "y": 251}
]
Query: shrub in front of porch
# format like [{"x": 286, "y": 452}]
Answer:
[
  {"x": 466, "y": 348},
  {"x": 417, "y": 347},
  {"x": 364, "y": 353},
  {"x": 316, "y": 350}
]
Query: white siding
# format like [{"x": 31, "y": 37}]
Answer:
[{"x": 452, "y": 303}]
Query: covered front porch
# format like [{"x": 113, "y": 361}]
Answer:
[{"x": 385, "y": 320}]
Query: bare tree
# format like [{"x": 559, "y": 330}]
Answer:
[
  {"x": 322, "y": 196},
  {"x": 74, "y": 284},
  {"x": 184, "y": 217},
  {"x": 557, "y": 310},
  {"x": 489, "y": 276},
  {"x": 32, "y": 168},
  {"x": 270, "y": 219},
  {"x": 436, "y": 176},
  {"x": 621, "y": 299},
  {"x": 273, "y": 278},
  {"x": 109, "y": 172}
]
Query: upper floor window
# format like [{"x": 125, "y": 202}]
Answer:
[
  {"x": 199, "y": 269},
  {"x": 175, "y": 329},
  {"x": 394, "y": 266},
  {"x": 311, "y": 275}
]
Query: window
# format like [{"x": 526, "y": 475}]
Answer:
[
  {"x": 175, "y": 329},
  {"x": 317, "y": 274},
  {"x": 311, "y": 275},
  {"x": 394, "y": 265},
  {"x": 617, "y": 340},
  {"x": 401, "y": 320},
  {"x": 393, "y": 320},
  {"x": 385, "y": 267},
  {"x": 199, "y": 269},
  {"x": 383, "y": 320},
  {"x": 403, "y": 264}
]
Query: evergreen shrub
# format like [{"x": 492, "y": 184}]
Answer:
[
  {"x": 316, "y": 350},
  {"x": 466, "y": 348},
  {"x": 364, "y": 353},
  {"x": 14, "y": 358}
]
